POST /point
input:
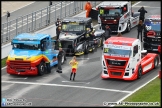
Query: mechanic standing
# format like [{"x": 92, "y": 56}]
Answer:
[
  {"x": 88, "y": 8},
  {"x": 107, "y": 32},
  {"x": 58, "y": 29},
  {"x": 59, "y": 57},
  {"x": 142, "y": 13},
  {"x": 140, "y": 27},
  {"x": 74, "y": 66}
]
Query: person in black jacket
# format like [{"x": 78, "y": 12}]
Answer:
[
  {"x": 107, "y": 32},
  {"x": 142, "y": 13},
  {"x": 57, "y": 22},
  {"x": 59, "y": 57},
  {"x": 140, "y": 27},
  {"x": 58, "y": 30}
]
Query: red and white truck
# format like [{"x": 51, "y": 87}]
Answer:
[
  {"x": 159, "y": 50},
  {"x": 118, "y": 15},
  {"x": 123, "y": 58}
]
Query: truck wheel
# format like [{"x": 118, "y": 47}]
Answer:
[
  {"x": 128, "y": 27},
  {"x": 41, "y": 69},
  {"x": 63, "y": 59},
  {"x": 156, "y": 62},
  {"x": 139, "y": 72}
]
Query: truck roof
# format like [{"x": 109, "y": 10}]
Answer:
[
  {"x": 120, "y": 41},
  {"x": 113, "y": 3},
  {"x": 76, "y": 19},
  {"x": 154, "y": 17},
  {"x": 31, "y": 36}
]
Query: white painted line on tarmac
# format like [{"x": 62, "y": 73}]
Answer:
[
  {"x": 69, "y": 86},
  {"x": 136, "y": 3},
  {"x": 135, "y": 90},
  {"x": 76, "y": 82},
  {"x": 3, "y": 67},
  {"x": 14, "y": 78}
]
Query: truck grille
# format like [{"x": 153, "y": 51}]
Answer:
[
  {"x": 116, "y": 63},
  {"x": 116, "y": 73},
  {"x": 116, "y": 67},
  {"x": 113, "y": 27},
  {"x": 20, "y": 65}
]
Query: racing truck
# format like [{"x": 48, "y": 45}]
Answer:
[
  {"x": 123, "y": 59},
  {"x": 118, "y": 15},
  {"x": 73, "y": 36},
  {"x": 159, "y": 50},
  {"x": 152, "y": 33},
  {"x": 32, "y": 54}
]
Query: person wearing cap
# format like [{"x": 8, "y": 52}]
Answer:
[
  {"x": 59, "y": 57},
  {"x": 58, "y": 30},
  {"x": 88, "y": 8},
  {"x": 57, "y": 22},
  {"x": 107, "y": 32},
  {"x": 142, "y": 13}
]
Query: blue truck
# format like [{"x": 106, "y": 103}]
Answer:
[{"x": 32, "y": 54}]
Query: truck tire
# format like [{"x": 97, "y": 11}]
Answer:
[
  {"x": 139, "y": 72},
  {"x": 128, "y": 27},
  {"x": 41, "y": 69},
  {"x": 86, "y": 49},
  {"x": 48, "y": 67},
  {"x": 156, "y": 62}
]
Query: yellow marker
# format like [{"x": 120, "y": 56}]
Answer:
[
  {"x": 101, "y": 11},
  {"x": 106, "y": 50},
  {"x": 64, "y": 26}
]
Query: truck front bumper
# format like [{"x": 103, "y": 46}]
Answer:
[{"x": 32, "y": 71}]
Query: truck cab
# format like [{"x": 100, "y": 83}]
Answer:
[
  {"x": 31, "y": 54},
  {"x": 122, "y": 58},
  {"x": 152, "y": 33},
  {"x": 75, "y": 33},
  {"x": 118, "y": 15}
]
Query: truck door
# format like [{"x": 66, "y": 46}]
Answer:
[
  {"x": 136, "y": 55},
  {"x": 134, "y": 19},
  {"x": 49, "y": 52}
]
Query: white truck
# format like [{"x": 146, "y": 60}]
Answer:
[
  {"x": 122, "y": 58},
  {"x": 118, "y": 15}
]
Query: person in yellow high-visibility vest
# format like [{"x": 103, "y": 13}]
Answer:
[{"x": 74, "y": 66}]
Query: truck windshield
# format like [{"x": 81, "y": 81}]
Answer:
[
  {"x": 117, "y": 52},
  {"x": 72, "y": 27},
  {"x": 26, "y": 46},
  {"x": 111, "y": 12}
]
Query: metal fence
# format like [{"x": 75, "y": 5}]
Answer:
[{"x": 41, "y": 18}]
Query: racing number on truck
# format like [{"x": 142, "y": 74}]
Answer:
[
  {"x": 106, "y": 50},
  {"x": 63, "y": 26},
  {"x": 101, "y": 11}
]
